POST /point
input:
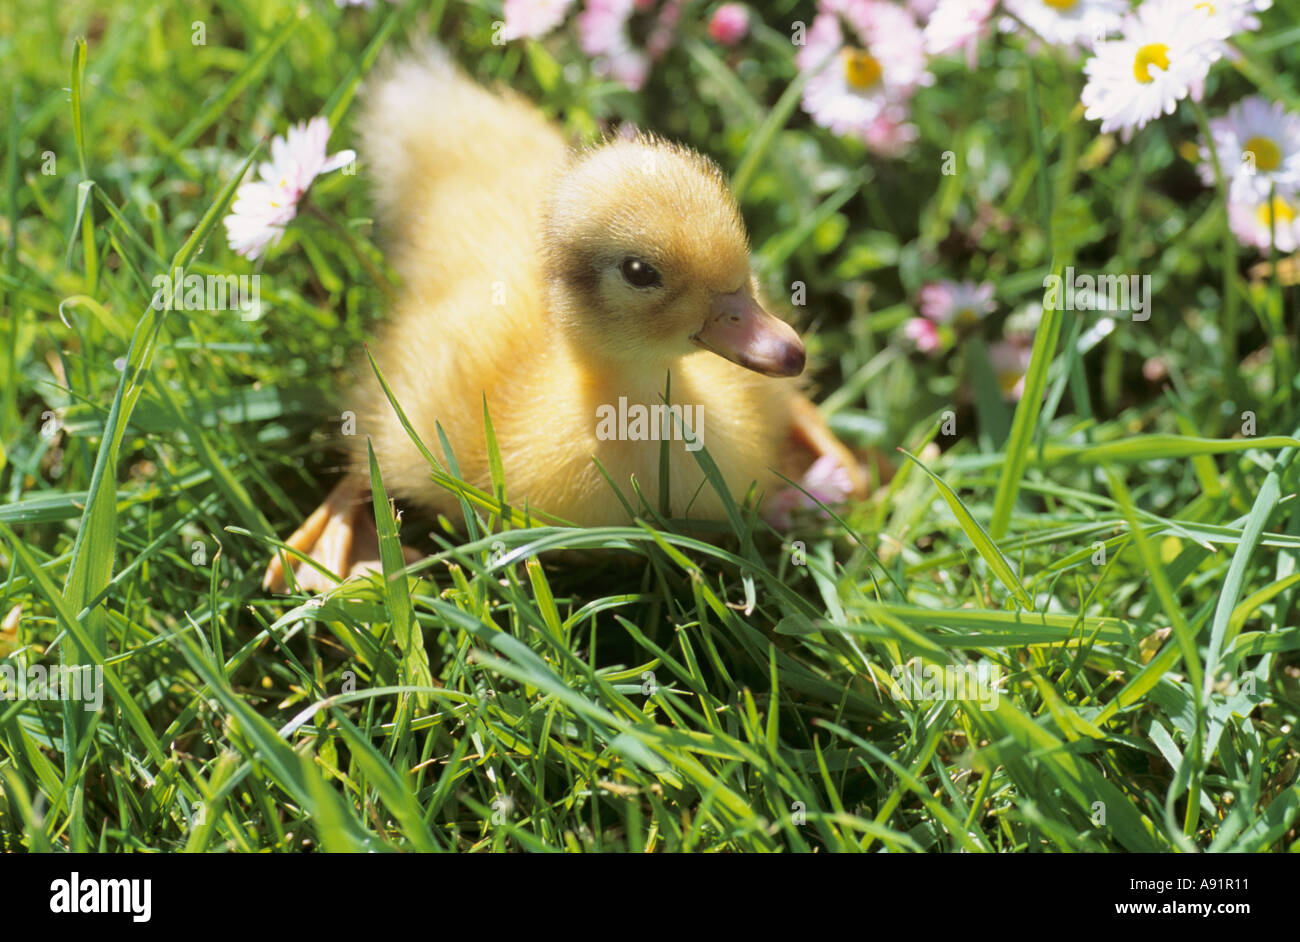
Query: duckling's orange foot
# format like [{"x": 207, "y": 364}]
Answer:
[
  {"x": 340, "y": 536},
  {"x": 815, "y": 439},
  {"x": 825, "y": 467}
]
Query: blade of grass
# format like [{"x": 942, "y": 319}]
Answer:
[
  {"x": 1019, "y": 443},
  {"x": 410, "y": 640},
  {"x": 979, "y": 537}
]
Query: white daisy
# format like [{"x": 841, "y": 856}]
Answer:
[
  {"x": 604, "y": 34},
  {"x": 1070, "y": 22},
  {"x": 890, "y": 135},
  {"x": 1235, "y": 16},
  {"x": 1010, "y": 358},
  {"x": 262, "y": 208},
  {"x": 1250, "y": 216},
  {"x": 1258, "y": 142},
  {"x": 257, "y": 218},
  {"x": 1163, "y": 57},
  {"x": 868, "y": 57},
  {"x": 828, "y": 483},
  {"x": 957, "y": 24},
  {"x": 532, "y": 18},
  {"x": 923, "y": 334},
  {"x": 960, "y": 302}
]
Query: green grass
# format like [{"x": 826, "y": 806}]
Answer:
[{"x": 1120, "y": 552}]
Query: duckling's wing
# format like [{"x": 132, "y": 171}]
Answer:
[{"x": 459, "y": 173}]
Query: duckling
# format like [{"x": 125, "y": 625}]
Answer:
[{"x": 569, "y": 289}]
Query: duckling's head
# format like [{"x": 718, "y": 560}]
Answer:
[{"x": 647, "y": 260}]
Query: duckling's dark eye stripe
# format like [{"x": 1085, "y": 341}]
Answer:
[{"x": 582, "y": 272}]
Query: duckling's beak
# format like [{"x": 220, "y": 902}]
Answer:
[{"x": 742, "y": 332}]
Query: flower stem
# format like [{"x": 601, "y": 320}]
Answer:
[
  {"x": 1229, "y": 260},
  {"x": 1283, "y": 371},
  {"x": 377, "y": 276}
]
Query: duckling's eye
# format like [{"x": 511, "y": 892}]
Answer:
[{"x": 640, "y": 274}]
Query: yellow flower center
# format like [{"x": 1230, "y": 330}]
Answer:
[
  {"x": 967, "y": 315},
  {"x": 1152, "y": 54},
  {"x": 1283, "y": 212},
  {"x": 1008, "y": 380},
  {"x": 1061, "y": 4},
  {"x": 1207, "y": 7},
  {"x": 861, "y": 69},
  {"x": 1268, "y": 156}
]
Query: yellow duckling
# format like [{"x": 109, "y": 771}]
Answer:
[{"x": 565, "y": 287}]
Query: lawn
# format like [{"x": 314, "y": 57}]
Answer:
[{"x": 1065, "y": 619}]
